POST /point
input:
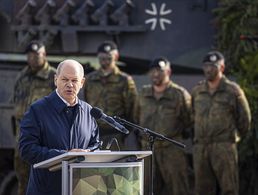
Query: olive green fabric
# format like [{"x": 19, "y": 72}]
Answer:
[
  {"x": 115, "y": 94},
  {"x": 170, "y": 116},
  {"x": 221, "y": 116},
  {"x": 215, "y": 167},
  {"x": 29, "y": 87},
  {"x": 219, "y": 119}
]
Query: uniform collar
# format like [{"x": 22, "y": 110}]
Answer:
[
  {"x": 43, "y": 72},
  {"x": 221, "y": 86},
  {"x": 149, "y": 91},
  {"x": 112, "y": 77}
]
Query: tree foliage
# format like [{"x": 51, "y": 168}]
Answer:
[{"x": 235, "y": 18}]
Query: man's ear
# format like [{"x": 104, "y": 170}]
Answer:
[
  {"x": 116, "y": 54},
  {"x": 82, "y": 82},
  {"x": 169, "y": 71},
  {"x": 222, "y": 67}
]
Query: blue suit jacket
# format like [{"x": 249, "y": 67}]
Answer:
[{"x": 45, "y": 132}]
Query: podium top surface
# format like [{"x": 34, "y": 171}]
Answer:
[{"x": 96, "y": 156}]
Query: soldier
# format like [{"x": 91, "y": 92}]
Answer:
[
  {"x": 33, "y": 82},
  {"x": 114, "y": 92},
  {"x": 221, "y": 114},
  {"x": 164, "y": 107}
]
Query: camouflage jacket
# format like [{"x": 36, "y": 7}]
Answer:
[
  {"x": 221, "y": 116},
  {"x": 169, "y": 115},
  {"x": 115, "y": 94},
  {"x": 29, "y": 87}
]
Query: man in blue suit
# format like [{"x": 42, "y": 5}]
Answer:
[{"x": 55, "y": 124}]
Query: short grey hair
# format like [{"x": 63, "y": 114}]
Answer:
[{"x": 60, "y": 65}]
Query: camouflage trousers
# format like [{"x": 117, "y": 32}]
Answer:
[
  {"x": 170, "y": 171},
  {"x": 216, "y": 169},
  {"x": 22, "y": 170}
]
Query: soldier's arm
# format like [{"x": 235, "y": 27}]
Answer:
[
  {"x": 186, "y": 108},
  {"x": 243, "y": 113},
  {"x": 130, "y": 98},
  {"x": 141, "y": 136},
  {"x": 16, "y": 88},
  {"x": 192, "y": 112},
  {"x": 136, "y": 110},
  {"x": 185, "y": 113}
]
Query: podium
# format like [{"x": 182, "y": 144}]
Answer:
[{"x": 99, "y": 172}]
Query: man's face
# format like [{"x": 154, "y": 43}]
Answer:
[
  {"x": 106, "y": 59},
  {"x": 69, "y": 82},
  {"x": 36, "y": 60},
  {"x": 158, "y": 76},
  {"x": 211, "y": 72}
]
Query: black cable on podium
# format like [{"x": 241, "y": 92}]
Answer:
[{"x": 152, "y": 136}]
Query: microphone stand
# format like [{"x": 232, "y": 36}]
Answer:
[{"x": 152, "y": 136}]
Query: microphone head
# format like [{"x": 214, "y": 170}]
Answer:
[{"x": 96, "y": 113}]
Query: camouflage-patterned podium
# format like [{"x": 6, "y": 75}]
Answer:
[{"x": 100, "y": 172}]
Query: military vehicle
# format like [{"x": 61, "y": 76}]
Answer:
[{"x": 180, "y": 30}]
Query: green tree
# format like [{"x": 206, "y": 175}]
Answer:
[{"x": 235, "y": 18}]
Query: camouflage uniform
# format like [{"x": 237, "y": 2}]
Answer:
[
  {"x": 115, "y": 94},
  {"x": 28, "y": 88},
  {"x": 169, "y": 116},
  {"x": 218, "y": 118}
]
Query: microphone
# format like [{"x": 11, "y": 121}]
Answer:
[{"x": 98, "y": 114}]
